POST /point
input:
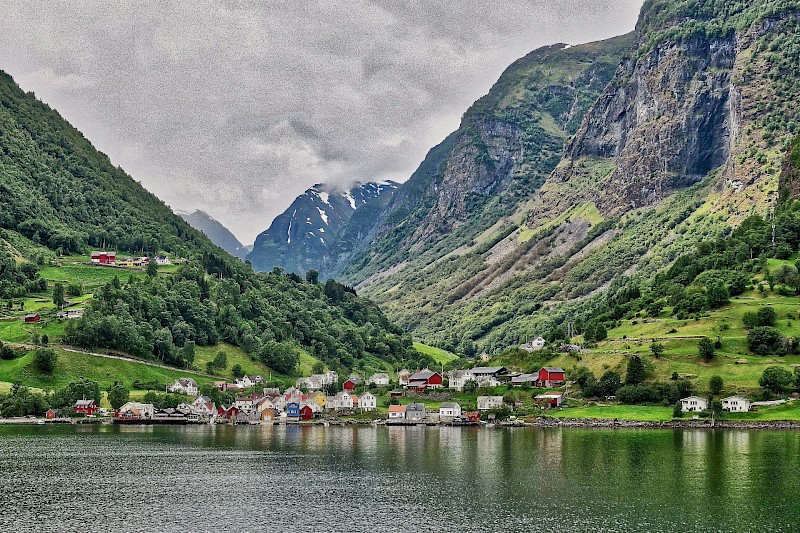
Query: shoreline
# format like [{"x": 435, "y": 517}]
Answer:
[{"x": 539, "y": 422}]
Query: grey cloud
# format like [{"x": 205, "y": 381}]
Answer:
[{"x": 237, "y": 107}]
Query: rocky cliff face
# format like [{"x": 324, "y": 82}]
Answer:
[
  {"x": 691, "y": 134},
  {"x": 298, "y": 239},
  {"x": 666, "y": 121},
  {"x": 508, "y": 143}
]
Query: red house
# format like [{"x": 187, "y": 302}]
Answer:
[
  {"x": 550, "y": 377},
  {"x": 351, "y": 383},
  {"x": 423, "y": 380},
  {"x": 32, "y": 318},
  {"x": 306, "y": 413},
  {"x": 50, "y": 414},
  {"x": 104, "y": 258},
  {"x": 85, "y": 407}
]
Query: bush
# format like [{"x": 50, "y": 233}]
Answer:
[
  {"x": 45, "y": 360},
  {"x": 766, "y": 341}
]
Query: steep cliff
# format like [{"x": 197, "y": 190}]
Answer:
[
  {"x": 508, "y": 143},
  {"x": 690, "y": 136}
]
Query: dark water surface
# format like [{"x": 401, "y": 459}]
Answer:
[{"x": 205, "y": 478}]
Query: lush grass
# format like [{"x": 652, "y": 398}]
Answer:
[
  {"x": 87, "y": 274},
  {"x": 437, "y": 354},
  {"x": 622, "y": 412},
  {"x": 787, "y": 411},
  {"x": 236, "y": 355},
  {"x": 72, "y": 366}
]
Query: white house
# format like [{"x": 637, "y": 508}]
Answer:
[
  {"x": 313, "y": 382},
  {"x": 694, "y": 403},
  {"x": 402, "y": 377},
  {"x": 340, "y": 402},
  {"x": 533, "y": 345},
  {"x": 397, "y": 412},
  {"x": 736, "y": 404},
  {"x": 163, "y": 260},
  {"x": 449, "y": 410},
  {"x": 367, "y": 402},
  {"x": 380, "y": 379},
  {"x": 185, "y": 386},
  {"x": 136, "y": 411},
  {"x": 459, "y": 378},
  {"x": 487, "y": 403}
]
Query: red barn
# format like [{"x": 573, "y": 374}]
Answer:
[
  {"x": 424, "y": 379},
  {"x": 351, "y": 383},
  {"x": 306, "y": 413},
  {"x": 85, "y": 407},
  {"x": 50, "y": 414},
  {"x": 32, "y": 318},
  {"x": 104, "y": 258},
  {"x": 550, "y": 377}
]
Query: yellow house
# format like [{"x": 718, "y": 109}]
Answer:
[{"x": 319, "y": 399}]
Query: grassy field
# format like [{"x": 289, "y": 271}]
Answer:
[
  {"x": 437, "y": 354},
  {"x": 87, "y": 274},
  {"x": 236, "y": 355},
  {"x": 73, "y": 366},
  {"x": 622, "y": 412},
  {"x": 739, "y": 369}
]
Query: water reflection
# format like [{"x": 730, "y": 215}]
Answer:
[{"x": 300, "y": 478}]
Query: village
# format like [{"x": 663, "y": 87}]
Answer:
[{"x": 424, "y": 397}]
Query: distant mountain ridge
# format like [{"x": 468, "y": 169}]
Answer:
[
  {"x": 216, "y": 231},
  {"x": 317, "y": 222}
]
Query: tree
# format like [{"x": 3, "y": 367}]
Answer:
[
  {"x": 635, "y": 372},
  {"x": 118, "y": 395},
  {"x": 715, "y": 385},
  {"x": 706, "y": 349},
  {"x": 45, "y": 360},
  {"x": 609, "y": 384},
  {"x": 312, "y": 276},
  {"x": 775, "y": 379},
  {"x": 677, "y": 410},
  {"x": 221, "y": 360},
  {"x": 237, "y": 371},
  {"x": 766, "y": 341},
  {"x": 657, "y": 349},
  {"x": 766, "y": 316},
  {"x": 58, "y": 295},
  {"x": 152, "y": 268},
  {"x": 318, "y": 368},
  {"x": 716, "y": 408},
  {"x": 717, "y": 294}
]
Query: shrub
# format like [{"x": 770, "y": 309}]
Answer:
[
  {"x": 765, "y": 340},
  {"x": 45, "y": 360}
]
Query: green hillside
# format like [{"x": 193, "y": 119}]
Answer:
[{"x": 60, "y": 198}]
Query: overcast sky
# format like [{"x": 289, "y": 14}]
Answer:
[{"x": 237, "y": 107}]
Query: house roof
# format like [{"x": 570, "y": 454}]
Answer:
[
  {"x": 553, "y": 369},
  {"x": 354, "y": 379},
  {"x": 422, "y": 375},
  {"x": 735, "y": 398},
  {"x": 84, "y": 403},
  {"x": 524, "y": 377},
  {"x": 397, "y": 408},
  {"x": 488, "y": 369},
  {"x": 448, "y": 406},
  {"x": 415, "y": 407},
  {"x": 693, "y": 398},
  {"x": 186, "y": 382}
]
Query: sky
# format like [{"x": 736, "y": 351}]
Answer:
[{"x": 237, "y": 107}]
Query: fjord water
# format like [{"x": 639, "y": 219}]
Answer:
[{"x": 205, "y": 478}]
